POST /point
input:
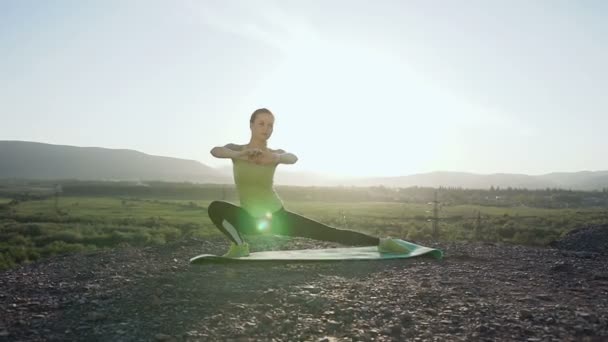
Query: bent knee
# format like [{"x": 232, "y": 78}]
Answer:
[{"x": 217, "y": 207}]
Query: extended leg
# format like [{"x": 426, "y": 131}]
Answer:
[{"x": 288, "y": 223}]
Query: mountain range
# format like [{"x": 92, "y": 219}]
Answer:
[{"x": 35, "y": 160}]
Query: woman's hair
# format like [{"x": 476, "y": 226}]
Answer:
[{"x": 259, "y": 111}]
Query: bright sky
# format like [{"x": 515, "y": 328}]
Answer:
[{"x": 359, "y": 88}]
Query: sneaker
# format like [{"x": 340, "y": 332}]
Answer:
[
  {"x": 394, "y": 246},
  {"x": 237, "y": 251}
]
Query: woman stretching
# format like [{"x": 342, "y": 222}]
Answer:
[{"x": 261, "y": 210}]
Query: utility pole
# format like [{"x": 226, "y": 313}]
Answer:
[
  {"x": 435, "y": 218},
  {"x": 343, "y": 217},
  {"x": 478, "y": 226}
]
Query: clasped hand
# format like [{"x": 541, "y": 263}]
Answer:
[{"x": 258, "y": 156}]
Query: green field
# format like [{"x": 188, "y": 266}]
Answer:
[{"x": 32, "y": 229}]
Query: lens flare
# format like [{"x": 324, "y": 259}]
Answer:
[{"x": 262, "y": 225}]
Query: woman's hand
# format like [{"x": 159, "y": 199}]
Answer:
[
  {"x": 265, "y": 158},
  {"x": 248, "y": 154}
]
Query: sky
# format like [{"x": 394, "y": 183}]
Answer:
[{"x": 358, "y": 88}]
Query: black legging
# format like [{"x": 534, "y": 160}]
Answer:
[{"x": 282, "y": 222}]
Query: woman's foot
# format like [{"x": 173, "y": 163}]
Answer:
[
  {"x": 237, "y": 251},
  {"x": 394, "y": 246}
]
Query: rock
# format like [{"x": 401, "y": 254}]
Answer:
[
  {"x": 328, "y": 339},
  {"x": 162, "y": 337},
  {"x": 267, "y": 319},
  {"x": 406, "y": 319},
  {"x": 600, "y": 276},
  {"x": 562, "y": 266},
  {"x": 589, "y": 317},
  {"x": 482, "y": 328},
  {"x": 431, "y": 312},
  {"x": 585, "y": 255},
  {"x": 394, "y": 330},
  {"x": 544, "y": 296},
  {"x": 310, "y": 288},
  {"x": 95, "y": 316},
  {"x": 333, "y": 323}
]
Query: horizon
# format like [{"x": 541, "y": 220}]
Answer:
[
  {"x": 228, "y": 167},
  {"x": 358, "y": 90}
]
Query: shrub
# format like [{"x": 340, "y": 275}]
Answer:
[
  {"x": 61, "y": 247},
  {"x": 507, "y": 231},
  {"x": 19, "y": 240}
]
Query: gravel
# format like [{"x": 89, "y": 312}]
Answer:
[{"x": 486, "y": 292}]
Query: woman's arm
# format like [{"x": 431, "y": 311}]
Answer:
[
  {"x": 274, "y": 157},
  {"x": 231, "y": 151},
  {"x": 285, "y": 158}
]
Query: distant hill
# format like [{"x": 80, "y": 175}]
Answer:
[
  {"x": 584, "y": 180},
  {"x": 34, "y": 160}
]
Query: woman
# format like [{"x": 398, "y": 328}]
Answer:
[{"x": 261, "y": 210}]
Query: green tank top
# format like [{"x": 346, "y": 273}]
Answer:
[{"x": 254, "y": 184}]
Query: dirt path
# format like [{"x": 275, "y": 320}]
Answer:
[{"x": 478, "y": 292}]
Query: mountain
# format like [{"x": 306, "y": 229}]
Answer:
[
  {"x": 584, "y": 180},
  {"x": 460, "y": 179},
  {"x": 34, "y": 160}
]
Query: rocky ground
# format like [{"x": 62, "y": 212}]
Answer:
[{"x": 478, "y": 292}]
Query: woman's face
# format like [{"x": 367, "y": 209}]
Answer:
[{"x": 262, "y": 126}]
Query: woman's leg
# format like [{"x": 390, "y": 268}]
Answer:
[
  {"x": 231, "y": 220},
  {"x": 287, "y": 223}
]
